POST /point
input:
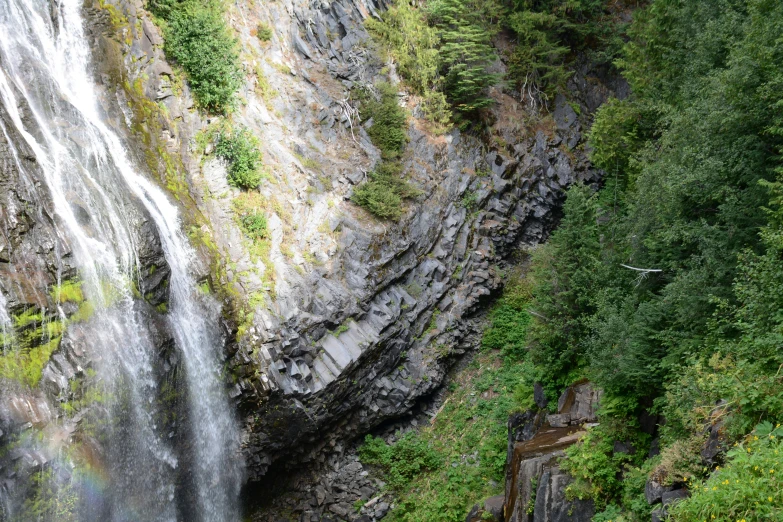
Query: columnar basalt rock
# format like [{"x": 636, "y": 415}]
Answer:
[
  {"x": 360, "y": 318},
  {"x": 349, "y": 321}
]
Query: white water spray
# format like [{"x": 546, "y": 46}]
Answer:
[{"x": 49, "y": 95}]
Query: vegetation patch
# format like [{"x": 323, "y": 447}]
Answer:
[
  {"x": 239, "y": 148},
  {"x": 386, "y": 188},
  {"x": 664, "y": 286},
  {"x": 198, "y": 38},
  {"x": 264, "y": 32},
  {"x": 748, "y": 487},
  {"x": 439, "y": 472}
]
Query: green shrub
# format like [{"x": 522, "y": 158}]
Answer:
[
  {"x": 413, "y": 45},
  {"x": 197, "y": 37},
  {"x": 382, "y": 194},
  {"x": 596, "y": 467},
  {"x": 389, "y": 119},
  {"x": 239, "y": 148},
  {"x": 254, "y": 225},
  {"x": 749, "y": 487},
  {"x": 466, "y": 54},
  {"x": 509, "y": 321},
  {"x": 548, "y": 32},
  {"x": 401, "y": 462},
  {"x": 385, "y": 189},
  {"x": 443, "y": 51},
  {"x": 264, "y": 32}
]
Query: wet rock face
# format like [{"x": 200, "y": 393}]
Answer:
[
  {"x": 535, "y": 485},
  {"x": 35, "y": 257},
  {"x": 32, "y": 254}
]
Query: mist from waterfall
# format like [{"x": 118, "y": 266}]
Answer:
[{"x": 48, "y": 92}]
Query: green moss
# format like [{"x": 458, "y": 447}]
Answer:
[
  {"x": 84, "y": 313},
  {"x": 337, "y": 332},
  {"x": 28, "y": 317},
  {"x": 68, "y": 292},
  {"x": 162, "y": 308},
  {"x": 26, "y": 364},
  {"x": 117, "y": 18}
]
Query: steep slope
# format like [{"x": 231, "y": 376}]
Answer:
[{"x": 344, "y": 320}]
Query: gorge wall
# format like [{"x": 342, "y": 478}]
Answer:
[{"x": 347, "y": 321}]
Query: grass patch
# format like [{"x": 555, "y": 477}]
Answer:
[
  {"x": 386, "y": 187},
  {"x": 445, "y": 468},
  {"x": 749, "y": 487}
]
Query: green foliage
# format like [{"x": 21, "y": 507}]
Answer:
[
  {"x": 509, "y": 321},
  {"x": 254, "y": 225},
  {"x": 250, "y": 209},
  {"x": 660, "y": 288},
  {"x": 750, "y": 391},
  {"x": 386, "y": 188},
  {"x": 198, "y": 38},
  {"x": 615, "y": 137},
  {"x": 26, "y": 363},
  {"x": 28, "y": 345},
  {"x": 383, "y": 193},
  {"x": 548, "y": 34},
  {"x": 594, "y": 464},
  {"x": 565, "y": 272},
  {"x": 49, "y": 499},
  {"x": 388, "y": 121},
  {"x": 538, "y": 58},
  {"x": 401, "y": 462},
  {"x": 465, "y": 53},
  {"x": 412, "y": 43},
  {"x": 749, "y": 487},
  {"x": 444, "y": 53},
  {"x": 239, "y": 148},
  {"x": 264, "y": 32}
]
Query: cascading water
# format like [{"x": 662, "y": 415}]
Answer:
[{"x": 48, "y": 93}]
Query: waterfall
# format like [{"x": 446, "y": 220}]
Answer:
[{"x": 48, "y": 92}]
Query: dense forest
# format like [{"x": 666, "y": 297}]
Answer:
[{"x": 663, "y": 286}]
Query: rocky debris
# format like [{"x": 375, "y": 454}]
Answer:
[
  {"x": 339, "y": 490},
  {"x": 491, "y": 509},
  {"x": 551, "y": 504},
  {"x": 535, "y": 485},
  {"x": 668, "y": 499},
  {"x": 715, "y": 446}
]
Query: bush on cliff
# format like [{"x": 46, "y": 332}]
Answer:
[
  {"x": 239, "y": 148},
  {"x": 385, "y": 189},
  {"x": 403, "y": 460},
  {"x": 198, "y": 38}
]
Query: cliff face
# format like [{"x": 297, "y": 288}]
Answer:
[{"x": 347, "y": 321}]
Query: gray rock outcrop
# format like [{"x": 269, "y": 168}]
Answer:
[{"x": 348, "y": 321}]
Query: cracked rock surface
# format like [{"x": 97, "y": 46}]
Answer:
[{"x": 354, "y": 320}]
